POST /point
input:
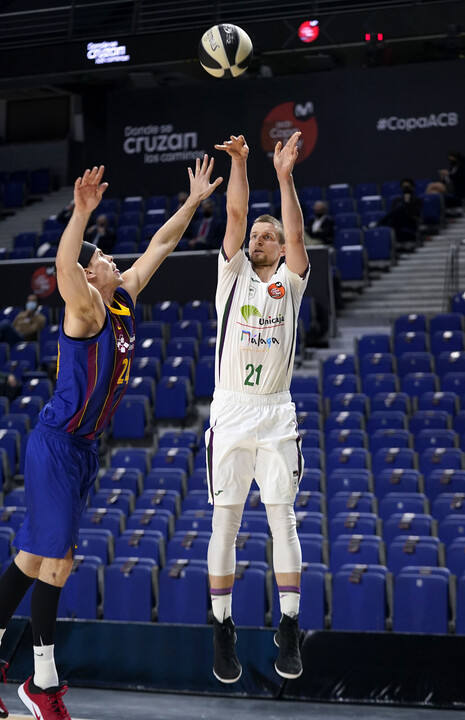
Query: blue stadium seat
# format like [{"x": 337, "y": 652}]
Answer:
[
  {"x": 418, "y": 383},
  {"x": 252, "y": 546},
  {"x": 130, "y": 590},
  {"x": 345, "y": 438},
  {"x": 198, "y": 480},
  {"x": 447, "y": 401},
  {"x": 10, "y": 441},
  {"x": 152, "y": 519},
  {"x": 447, "y": 362},
  {"x": 447, "y": 504},
  {"x": 128, "y": 233},
  {"x": 375, "y": 343},
  {"x": 410, "y": 342},
  {"x": 80, "y": 596},
  {"x": 142, "y": 386},
  {"x": 199, "y": 521},
  {"x": 348, "y": 236},
  {"x": 160, "y": 499},
  {"x": 336, "y": 384},
  {"x": 146, "y": 367},
  {"x": 389, "y": 438},
  {"x": 183, "y": 347},
  {"x": 27, "y": 351},
  {"x": 407, "y": 524},
  {"x": 351, "y": 263},
  {"x": 312, "y": 547},
  {"x": 304, "y": 384},
  {"x": 440, "y": 481},
  {"x": 196, "y": 500},
  {"x": 348, "y": 402},
  {"x": 421, "y": 600},
  {"x": 376, "y": 363},
  {"x": 412, "y": 550},
  {"x": 310, "y": 523},
  {"x": 341, "y": 205},
  {"x": 458, "y": 303},
  {"x": 452, "y": 527},
  {"x": 173, "y": 457},
  {"x": 414, "y": 362},
  {"x": 16, "y": 421},
  {"x": 340, "y": 364},
  {"x": 410, "y": 323},
  {"x": 375, "y": 383},
  {"x": 186, "y": 328},
  {"x": 446, "y": 321},
  {"x": 447, "y": 341},
  {"x": 346, "y": 458},
  {"x": 366, "y": 188},
  {"x": 344, "y": 420},
  {"x": 359, "y": 549},
  {"x": 312, "y": 479},
  {"x": 370, "y": 202},
  {"x": 352, "y": 523},
  {"x": 96, "y": 542},
  {"x": 141, "y": 543},
  {"x": 131, "y": 420},
  {"x": 345, "y": 501},
  {"x": 344, "y": 221},
  {"x": 434, "y": 458},
  {"x": 347, "y": 479},
  {"x": 131, "y": 458},
  {"x": 152, "y": 329},
  {"x": 209, "y": 329},
  {"x": 167, "y": 311},
  {"x": 434, "y": 438},
  {"x": 428, "y": 420},
  {"x": 391, "y": 401},
  {"x": 183, "y": 593},
  {"x": 205, "y": 377},
  {"x": 252, "y": 522},
  {"x": 338, "y": 190},
  {"x": 453, "y": 382},
  {"x": 113, "y": 498},
  {"x": 359, "y": 598},
  {"x": 455, "y": 557},
  {"x": 250, "y": 597},
  {"x": 207, "y": 347},
  {"x": 6, "y": 538},
  {"x": 109, "y": 518},
  {"x": 178, "y": 366},
  {"x": 386, "y": 419},
  {"x": 150, "y": 347},
  {"x": 392, "y": 457},
  {"x": 379, "y": 245},
  {"x": 311, "y": 500},
  {"x": 305, "y": 402},
  {"x": 197, "y": 310},
  {"x": 173, "y": 398},
  {"x": 29, "y": 404},
  {"x": 39, "y": 386},
  {"x": 402, "y": 502},
  {"x": 16, "y": 497},
  {"x": 309, "y": 420},
  {"x": 432, "y": 209}
]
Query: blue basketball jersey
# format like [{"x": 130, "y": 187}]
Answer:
[{"x": 93, "y": 373}]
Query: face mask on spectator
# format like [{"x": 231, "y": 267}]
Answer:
[{"x": 31, "y": 305}]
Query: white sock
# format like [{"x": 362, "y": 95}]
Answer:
[
  {"x": 289, "y": 602},
  {"x": 2, "y": 632},
  {"x": 221, "y": 603},
  {"x": 45, "y": 672}
]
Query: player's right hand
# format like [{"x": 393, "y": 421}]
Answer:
[
  {"x": 236, "y": 147},
  {"x": 88, "y": 190}
]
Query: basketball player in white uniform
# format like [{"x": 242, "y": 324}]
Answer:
[{"x": 253, "y": 429}]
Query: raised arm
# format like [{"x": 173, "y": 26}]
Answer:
[
  {"x": 72, "y": 282},
  {"x": 237, "y": 196},
  {"x": 165, "y": 240},
  {"x": 291, "y": 213}
]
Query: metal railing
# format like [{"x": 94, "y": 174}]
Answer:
[
  {"x": 451, "y": 273},
  {"x": 77, "y": 19}
]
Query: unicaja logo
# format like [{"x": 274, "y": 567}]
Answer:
[{"x": 271, "y": 320}]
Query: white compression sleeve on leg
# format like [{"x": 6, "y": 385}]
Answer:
[
  {"x": 287, "y": 554},
  {"x": 222, "y": 547}
]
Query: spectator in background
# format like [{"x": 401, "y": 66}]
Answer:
[
  {"x": 65, "y": 214},
  {"x": 452, "y": 183},
  {"x": 210, "y": 229},
  {"x": 321, "y": 225},
  {"x": 404, "y": 216},
  {"x": 10, "y": 387},
  {"x": 101, "y": 235},
  {"x": 26, "y": 325}
]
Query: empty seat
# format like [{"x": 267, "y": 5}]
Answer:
[
  {"x": 166, "y": 478},
  {"x": 390, "y": 401},
  {"x": 141, "y": 543},
  {"x": 388, "y": 458},
  {"x": 130, "y": 590},
  {"x": 345, "y": 501},
  {"x": 340, "y": 364},
  {"x": 359, "y": 549},
  {"x": 310, "y": 522},
  {"x": 341, "y": 420},
  {"x": 410, "y": 342},
  {"x": 375, "y": 343},
  {"x": 163, "y": 499},
  {"x": 410, "y": 323},
  {"x": 108, "y": 518},
  {"x": 434, "y": 439},
  {"x": 447, "y": 504},
  {"x": 183, "y": 592},
  {"x": 347, "y": 479},
  {"x": 434, "y": 458},
  {"x": 447, "y": 401},
  {"x": 173, "y": 397},
  {"x": 80, "y": 596},
  {"x": 421, "y": 600},
  {"x": 402, "y": 502},
  {"x": 376, "y": 363},
  {"x": 359, "y": 598},
  {"x": 414, "y": 362},
  {"x": 453, "y": 382},
  {"x": 389, "y": 438},
  {"x": 345, "y": 438},
  {"x": 450, "y": 362},
  {"x": 412, "y": 550},
  {"x": 96, "y": 542},
  {"x": 444, "y": 480},
  {"x": 406, "y": 524},
  {"x": 173, "y": 457},
  {"x": 347, "y": 458},
  {"x": 132, "y": 418},
  {"x": 427, "y": 420},
  {"x": 418, "y": 383},
  {"x": 336, "y": 384},
  {"x": 313, "y": 605},
  {"x": 374, "y": 383},
  {"x": 379, "y": 245},
  {"x": 250, "y": 596},
  {"x": 452, "y": 527},
  {"x": 447, "y": 341},
  {"x": 350, "y": 523},
  {"x": 455, "y": 557},
  {"x": 131, "y": 458},
  {"x": 349, "y": 402},
  {"x": 152, "y": 519}
]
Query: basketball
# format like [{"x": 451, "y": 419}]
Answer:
[{"x": 225, "y": 51}]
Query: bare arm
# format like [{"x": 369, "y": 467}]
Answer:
[
  {"x": 237, "y": 198},
  {"x": 72, "y": 282},
  {"x": 293, "y": 223},
  {"x": 165, "y": 240}
]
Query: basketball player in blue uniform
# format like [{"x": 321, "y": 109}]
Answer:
[{"x": 95, "y": 351}]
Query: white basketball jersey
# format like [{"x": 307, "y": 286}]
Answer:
[{"x": 257, "y": 323}]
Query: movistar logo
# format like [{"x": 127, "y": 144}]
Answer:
[{"x": 247, "y": 311}]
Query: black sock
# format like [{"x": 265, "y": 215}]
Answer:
[
  {"x": 44, "y": 608},
  {"x": 13, "y": 586}
]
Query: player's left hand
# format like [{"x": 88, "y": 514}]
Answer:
[
  {"x": 201, "y": 187},
  {"x": 285, "y": 157},
  {"x": 89, "y": 189}
]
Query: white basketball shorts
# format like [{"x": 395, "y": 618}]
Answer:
[{"x": 253, "y": 437}]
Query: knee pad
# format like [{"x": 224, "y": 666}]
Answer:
[
  {"x": 222, "y": 547},
  {"x": 287, "y": 554}
]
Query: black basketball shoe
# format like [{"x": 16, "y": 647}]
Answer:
[
  {"x": 226, "y": 665},
  {"x": 288, "y": 663}
]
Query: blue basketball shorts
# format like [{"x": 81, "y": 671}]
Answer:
[{"x": 59, "y": 472}]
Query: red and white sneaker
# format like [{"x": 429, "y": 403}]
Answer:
[
  {"x": 44, "y": 704},
  {"x": 3, "y": 669}
]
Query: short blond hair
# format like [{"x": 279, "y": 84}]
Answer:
[{"x": 276, "y": 224}]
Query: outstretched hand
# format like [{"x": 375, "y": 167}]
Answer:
[
  {"x": 201, "y": 188},
  {"x": 236, "y": 147},
  {"x": 89, "y": 189},
  {"x": 285, "y": 157}
]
